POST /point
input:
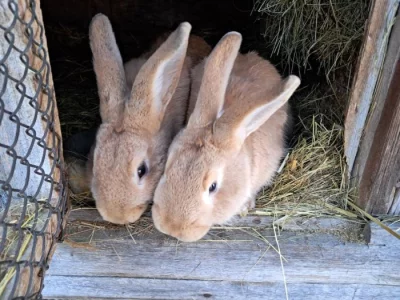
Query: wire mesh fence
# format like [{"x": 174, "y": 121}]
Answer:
[{"x": 32, "y": 182}]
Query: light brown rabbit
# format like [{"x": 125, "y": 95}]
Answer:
[
  {"x": 142, "y": 107},
  {"x": 232, "y": 145}
]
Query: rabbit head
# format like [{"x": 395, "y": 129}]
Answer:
[
  {"x": 127, "y": 160},
  {"x": 203, "y": 176}
]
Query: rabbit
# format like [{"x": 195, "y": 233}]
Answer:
[
  {"x": 142, "y": 106},
  {"x": 231, "y": 146},
  {"x": 77, "y": 147}
]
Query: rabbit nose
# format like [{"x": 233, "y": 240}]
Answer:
[
  {"x": 115, "y": 219},
  {"x": 163, "y": 222},
  {"x": 185, "y": 238},
  {"x": 125, "y": 217}
]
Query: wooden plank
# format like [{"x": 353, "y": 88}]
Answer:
[
  {"x": 33, "y": 166},
  {"x": 378, "y": 101},
  {"x": 243, "y": 255},
  {"x": 140, "y": 288},
  {"x": 378, "y": 162},
  {"x": 325, "y": 260},
  {"x": 372, "y": 56},
  {"x": 326, "y": 224}
]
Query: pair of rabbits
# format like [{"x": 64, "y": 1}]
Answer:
[{"x": 198, "y": 132}]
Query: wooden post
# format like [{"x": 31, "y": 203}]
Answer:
[
  {"x": 32, "y": 183},
  {"x": 377, "y": 164},
  {"x": 373, "y": 51},
  {"x": 381, "y": 175},
  {"x": 372, "y": 141}
]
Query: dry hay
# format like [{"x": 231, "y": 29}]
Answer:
[
  {"x": 17, "y": 244},
  {"x": 311, "y": 179},
  {"x": 84, "y": 233},
  {"x": 325, "y": 31},
  {"x": 322, "y": 37}
]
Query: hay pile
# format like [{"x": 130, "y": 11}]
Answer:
[
  {"x": 319, "y": 40},
  {"x": 311, "y": 181},
  {"x": 17, "y": 242},
  {"x": 323, "y": 34}
]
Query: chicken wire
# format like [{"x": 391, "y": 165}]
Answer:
[{"x": 33, "y": 197}]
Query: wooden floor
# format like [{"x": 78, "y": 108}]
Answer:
[{"x": 100, "y": 261}]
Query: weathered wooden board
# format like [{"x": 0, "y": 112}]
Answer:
[
  {"x": 379, "y": 100},
  {"x": 377, "y": 167},
  {"x": 370, "y": 63},
  {"x": 104, "y": 261},
  {"x": 147, "y": 288}
]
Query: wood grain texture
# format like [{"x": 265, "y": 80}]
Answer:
[
  {"x": 368, "y": 70},
  {"x": 378, "y": 101},
  {"x": 140, "y": 288},
  {"x": 98, "y": 260},
  {"x": 378, "y": 162}
]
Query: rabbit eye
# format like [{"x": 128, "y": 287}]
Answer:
[
  {"x": 142, "y": 170},
  {"x": 212, "y": 187}
]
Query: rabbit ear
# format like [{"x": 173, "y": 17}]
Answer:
[
  {"x": 239, "y": 125},
  {"x": 108, "y": 67},
  {"x": 215, "y": 80},
  {"x": 158, "y": 79}
]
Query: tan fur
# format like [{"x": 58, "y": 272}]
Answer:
[
  {"x": 77, "y": 178},
  {"x": 142, "y": 106},
  {"x": 215, "y": 146}
]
